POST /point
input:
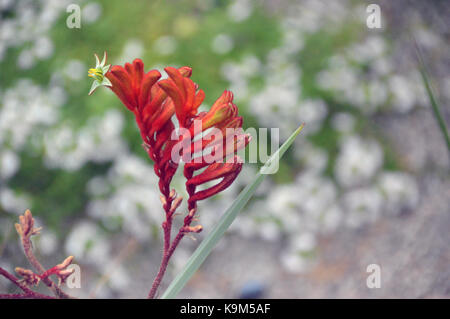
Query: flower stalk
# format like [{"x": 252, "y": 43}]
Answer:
[{"x": 155, "y": 103}]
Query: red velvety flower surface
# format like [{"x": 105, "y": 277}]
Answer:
[{"x": 156, "y": 103}]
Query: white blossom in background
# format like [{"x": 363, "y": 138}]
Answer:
[
  {"x": 12, "y": 202},
  {"x": 28, "y": 24},
  {"x": 134, "y": 48},
  {"x": 362, "y": 206},
  {"x": 316, "y": 194},
  {"x": 91, "y": 12},
  {"x": 240, "y": 10},
  {"x": 331, "y": 219},
  {"x": 9, "y": 164},
  {"x": 358, "y": 161},
  {"x": 120, "y": 278},
  {"x": 222, "y": 44},
  {"x": 165, "y": 45},
  {"x": 407, "y": 91},
  {"x": 26, "y": 60},
  {"x": 312, "y": 112},
  {"x": 23, "y": 108},
  {"x": 370, "y": 90},
  {"x": 127, "y": 198},
  {"x": 87, "y": 241},
  {"x": 400, "y": 191},
  {"x": 343, "y": 122},
  {"x": 313, "y": 159},
  {"x": 75, "y": 70},
  {"x": 99, "y": 141},
  {"x": 47, "y": 243},
  {"x": 43, "y": 48},
  {"x": 311, "y": 15},
  {"x": 372, "y": 48},
  {"x": 300, "y": 246},
  {"x": 238, "y": 74},
  {"x": 278, "y": 102}
]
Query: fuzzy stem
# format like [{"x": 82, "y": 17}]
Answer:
[
  {"x": 28, "y": 293},
  {"x": 164, "y": 263},
  {"x": 26, "y": 243},
  {"x": 167, "y": 228},
  {"x": 169, "y": 248}
]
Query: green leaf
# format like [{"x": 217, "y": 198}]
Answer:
[
  {"x": 433, "y": 101},
  {"x": 205, "y": 248}
]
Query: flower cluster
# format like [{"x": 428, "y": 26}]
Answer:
[{"x": 155, "y": 103}]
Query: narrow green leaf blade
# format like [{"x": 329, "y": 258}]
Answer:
[
  {"x": 205, "y": 248},
  {"x": 433, "y": 101}
]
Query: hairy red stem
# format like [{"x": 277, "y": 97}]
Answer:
[
  {"x": 26, "y": 243},
  {"x": 28, "y": 293},
  {"x": 167, "y": 228}
]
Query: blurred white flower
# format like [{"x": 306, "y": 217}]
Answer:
[
  {"x": 99, "y": 141},
  {"x": 293, "y": 262},
  {"x": 313, "y": 159},
  {"x": 5, "y": 4},
  {"x": 269, "y": 230},
  {"x": 25, "y": 107},
  {"x": 312, "y": 112},
  {"x": 358, "y": 161},
  {"x": 371, "y": 48},
  {"x": 47, "y": 243},
  {"x": 293, "y": 39},
  {"x": 303, "y": 242},
  {"x": 362, "y": 206},
  {"x": 134, "y": 48},
  {"x": 43, "y": 48},
  {"x": 403, "y": 93},
  {"x": 9, "y": 164},
  {"x": 133, "y": 204},
  {"x": 331, "y": 219},
  {"x": 26, "y": 59},
  {"x": 222, "y": 44},
  {"x": 399, "y": 190},
  {"x": 75, "y": 70},
  {"x": 12, "y": 202},
  {"x": 86, "y": 241},
  {"x": 119, "y": 279},
  {"x": 165, "y": 45},
  {"x": 240, "y": 10},
  {"x": 343, "y": 122},
  {"x": 427, "y": 38},
  {"x": 91, "y": 12}
]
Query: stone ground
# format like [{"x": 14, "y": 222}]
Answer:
[{"x": 412, "y": 250}]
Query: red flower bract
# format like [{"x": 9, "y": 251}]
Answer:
[
  {"x": 154, "y": 104},
  {"x": 216, "y": 135}
]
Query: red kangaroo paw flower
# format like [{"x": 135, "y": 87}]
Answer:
[
  {"x": 183, "y": 92},
  {"x": 153, "y": 111},
  {"x": 227, "y": 171},
  {"x": 154, "y": 103}
]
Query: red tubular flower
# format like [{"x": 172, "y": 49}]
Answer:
[
  {"x": 153, "y": 111},
  {"x": 154, "y": 103},
  {"x": 184, "y": 94},
  {"x": 222, "y": 116}
]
